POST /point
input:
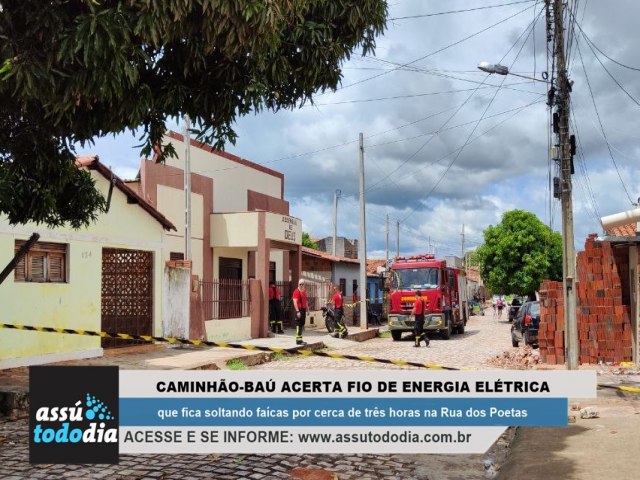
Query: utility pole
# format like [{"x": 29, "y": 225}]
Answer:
[
  {"x": 398, "y": 238},
  {"x": 187, "y": 189},
  {"x": 387, "y": 246},
  {"x": 336, "y": 195},
  {"x": 568, "y": 248},
  {"x": 363, "y": 243},
  {"x": 462, "y": 234}
]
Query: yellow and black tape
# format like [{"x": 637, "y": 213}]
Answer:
[
  {"x": 624, "y": 388},
  {"x": 206, "y": 343},
  {"x": 293, "y": 350}
]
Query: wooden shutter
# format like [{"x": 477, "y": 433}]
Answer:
[
  {"x": 20, "y": 272},
  {"x": 56, "y": 267},
  {"x": 45, "y": 262}
]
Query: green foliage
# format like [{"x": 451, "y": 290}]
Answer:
[
  {"x": 236, "y": 364},
  {"x": 307, "y": 242},
  {"x": 75, "y": 70},
  {"x": 519, "y": 253}
]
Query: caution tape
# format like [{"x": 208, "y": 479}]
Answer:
[
  {"x": 624, "y": 388},
  {"x": 293, "y": 350},
  {"x": 206, "y": 343}
]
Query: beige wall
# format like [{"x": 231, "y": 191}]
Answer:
[
  {"x": 228, "y": 330},
  {"x": 234, "y": 230},
  {"x": 75, "y": 304},
  {"x": 171, "y": 204},
  {"x": 278, "y": 257},
  {"x": 232, "y": 180}
]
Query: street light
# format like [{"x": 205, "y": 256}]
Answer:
[{"x": 503, "y": 70}]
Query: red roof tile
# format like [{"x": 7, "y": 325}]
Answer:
[
  {"x": 373, "y": 264},
  {"x": 628, "y": 230},
  {"x": 328, "y": 256}
]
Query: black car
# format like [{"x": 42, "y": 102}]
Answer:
[
  {"x": 525, "y": 325},
  {"x": 516, "y": 303}
]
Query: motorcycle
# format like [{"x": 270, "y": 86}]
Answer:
[{"x": 329, "y": 316}]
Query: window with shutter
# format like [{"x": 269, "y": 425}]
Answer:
[{"x": 45, "y": 262}]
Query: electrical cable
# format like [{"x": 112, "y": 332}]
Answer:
[
  {"x": 459, "y": 11},
  {"x": 440, "y": 49},
  {"x": 586, "y": 76}
]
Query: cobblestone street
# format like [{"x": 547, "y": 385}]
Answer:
[{"x": 485, "y": 338}]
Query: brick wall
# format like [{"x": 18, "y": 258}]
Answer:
[{"x": 603, "y": 311}]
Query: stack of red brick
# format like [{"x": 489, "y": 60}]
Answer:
[{"x": 603, "y": 313}]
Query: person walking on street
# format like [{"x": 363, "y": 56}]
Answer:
[
  {"x": 500, "y": 306},
  {"x": 420, "y": 306},
  {"x": 275, "y": 316},
  {"x": 338, "y": 308},
  {"x": 300, "y": 305}
]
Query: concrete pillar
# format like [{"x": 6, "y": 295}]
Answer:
[{"x": 261, "y": 328}]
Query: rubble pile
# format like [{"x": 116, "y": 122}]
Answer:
[{"x": 523, "y": 359}]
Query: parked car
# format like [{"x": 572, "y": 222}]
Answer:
[
  {"x": 516, "y": 303},
  {"x": 525, "y": 325}
]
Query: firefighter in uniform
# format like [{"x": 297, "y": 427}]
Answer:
[
  {"x": 338, "y": 308},
  {"x": 420, "y": 306},
  {"x": 275, "y": 316},
  {"x": 300, "y": 305}
]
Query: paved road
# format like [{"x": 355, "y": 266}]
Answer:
[{"x": 485, "y": 337}]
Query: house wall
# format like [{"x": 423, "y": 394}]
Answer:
[
  {"x": 234, "y": 177},
  {"x": 350, "y": 272},
  {"x": 158, "y": 179},
  {"x": 171, "y": 204},
  {"x": 75, "y": 304}
]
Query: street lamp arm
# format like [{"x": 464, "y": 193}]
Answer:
[{"x": 503, "y": 70}]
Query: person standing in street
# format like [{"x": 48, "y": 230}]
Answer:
[
  {"x": 275, "y": 316},
  {"x": 420, "y": 306},
  {"x": 300, "y": 305},
  {"x": 338, "y": 308}
]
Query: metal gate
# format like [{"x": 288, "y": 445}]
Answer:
[{"x": 127, "y": 294}]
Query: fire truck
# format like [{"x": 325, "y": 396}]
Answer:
[{"x": 441, "y": 281}]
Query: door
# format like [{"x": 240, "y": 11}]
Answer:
[
  {"x": 230, "y": 275},
  {"x": 127, "y": 294}
]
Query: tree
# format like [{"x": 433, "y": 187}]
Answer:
[
  {"x": 74, "y": 70},
  {"x": 519, "y": 253},
  {"x": 307, "y": 242}
]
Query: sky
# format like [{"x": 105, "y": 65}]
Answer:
[{"x": 445, "y": 144}]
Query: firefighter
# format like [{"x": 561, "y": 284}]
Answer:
[
  {"x": 275, "y": 316},
  {"x": 338, "y": 308},
  {"x": 300, "y": 305},
  {"x": 420, "y": 306}
]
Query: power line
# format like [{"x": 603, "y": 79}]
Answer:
[
  {"x": 416, "y": 95},
  {"x": 593, "y": 100},
  {"x": 440, "y": 49},
  {"x": 460, "y": 11},
  {"x": 532, "y": 26}
]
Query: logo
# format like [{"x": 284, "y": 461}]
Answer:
[{"x": 73, "y": 415}]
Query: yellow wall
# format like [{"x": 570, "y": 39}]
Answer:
[{"x": 75, "y": 304}]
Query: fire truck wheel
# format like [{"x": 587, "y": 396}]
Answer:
[
  {"x": 461, "y": 329},
  {"x": 396, "y": 335},
  {"x": 446, "y": 333}
]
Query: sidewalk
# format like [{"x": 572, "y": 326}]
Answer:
[
  {"x": 14, "y": 383},
  {"x": 590, "y": 449}
]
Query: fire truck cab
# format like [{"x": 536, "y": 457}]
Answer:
[{"x": 442, "y": 283}]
